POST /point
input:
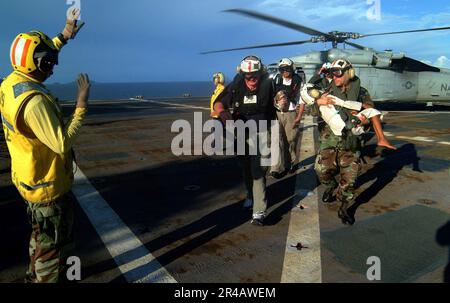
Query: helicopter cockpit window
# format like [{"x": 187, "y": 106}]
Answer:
[{"x": 272, "y": 70}]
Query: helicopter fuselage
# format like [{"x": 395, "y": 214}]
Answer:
[{"x": 388, "y": 76}]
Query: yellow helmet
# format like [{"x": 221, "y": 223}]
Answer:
[
  {"x": 220, "y": 77},
  {"x": 32, "y": 51}
]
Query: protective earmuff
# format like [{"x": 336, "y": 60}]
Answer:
[
  {"x": 345, "y": 66},
  {"x": 351, "y": 73}
]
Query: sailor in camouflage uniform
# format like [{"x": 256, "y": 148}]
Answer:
[{"x": 340, "y": 155}]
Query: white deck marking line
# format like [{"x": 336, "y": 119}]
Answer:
[
  {"x": 417, "y": 138},
  {"x": 134, "y": 260},
  {"x": 174, "y": 104},
  {"x": 421, "y": 112},
  {"x": 304, "y": 266}
]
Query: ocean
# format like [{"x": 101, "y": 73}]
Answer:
[{"x": 115, "y": 91}]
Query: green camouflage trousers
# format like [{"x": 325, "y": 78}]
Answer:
[
  {"x": 51, "y": 238},
  {"x": 333, "y": 161}
]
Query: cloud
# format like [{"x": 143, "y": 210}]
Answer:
[
  {"x": 321, "y": 9},
  {"x": 274, "y": 4},
  {"x": 442, "y": 61},
  {"x": 436, "y": 19}
]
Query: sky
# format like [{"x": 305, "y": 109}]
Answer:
[{"x": 160, "y": 40}]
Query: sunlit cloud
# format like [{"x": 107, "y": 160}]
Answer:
[{"x": 442, "y": 61}]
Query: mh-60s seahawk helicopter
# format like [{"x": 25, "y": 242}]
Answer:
[{"x": 387, "y": 75}]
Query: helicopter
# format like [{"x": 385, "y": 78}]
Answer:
[{"x": 387, "y": 75}]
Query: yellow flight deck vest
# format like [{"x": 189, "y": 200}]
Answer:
[
  {"x": 219, "y": 89},
  {"x": 40, "y": 174}
]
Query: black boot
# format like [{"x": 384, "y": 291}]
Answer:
[
  {"x": 293, "y": 169},
  {"x": 343, "y": 214},
  {"x": 278, "y": 175},
  {"x": 328, "y": 196}
]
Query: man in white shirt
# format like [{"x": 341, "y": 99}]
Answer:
[{"x": 287, "y": 86}]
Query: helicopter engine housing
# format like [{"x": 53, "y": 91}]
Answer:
[{"x": 355, "y": 56}]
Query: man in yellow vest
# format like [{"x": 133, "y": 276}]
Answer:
[
  {"x": 219, "y": 82},
  {"x": 40, "y": 144}
]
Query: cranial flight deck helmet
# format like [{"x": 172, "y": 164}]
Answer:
[
  {"x": 33, "y": 51},
  {"x": 220, "y": 76},
  {"x": 340, "y": 66},
  {"x": 286, "y": 64},
  {"x": 251, "y": 65}
]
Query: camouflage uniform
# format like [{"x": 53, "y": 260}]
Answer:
[
  {"x": 340, "y": 155},
  {"x": 51, "y": 238},
  {"x": 333, "y": 159}
]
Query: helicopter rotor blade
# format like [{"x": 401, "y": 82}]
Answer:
[
  {"x": 291, "y": 25},
  {"x": 409, "y": 31},
  {"x": 355, "y": 45},
  {"x": 257, "y": 46}
]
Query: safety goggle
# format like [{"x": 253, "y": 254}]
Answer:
[
  {"x": 338, "y": 72},
  {"x": 46, "y": 61},
  {"x": 251, "y": 76},
  {"x": 283, "y": 69}
]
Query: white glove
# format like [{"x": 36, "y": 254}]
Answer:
[{"x": 71, "y": 29}]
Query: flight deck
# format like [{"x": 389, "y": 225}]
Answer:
[{"x": 146, "y": 215}]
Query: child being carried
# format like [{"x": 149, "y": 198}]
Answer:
[{"x": 310, "y": 93}]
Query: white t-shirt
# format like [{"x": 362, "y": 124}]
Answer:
[{"x": 287, "y": 82}]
